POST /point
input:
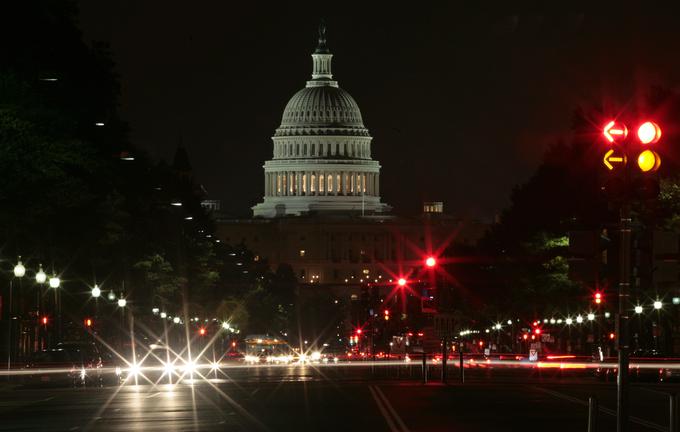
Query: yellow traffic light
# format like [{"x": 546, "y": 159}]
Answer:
[{"x": 649, "y": 161}]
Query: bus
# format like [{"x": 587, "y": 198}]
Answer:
[{"x": 265, "y": 348}]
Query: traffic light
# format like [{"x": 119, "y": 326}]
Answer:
[
  {"x": 44, "y": 320},
  {"x": 597, "y": 298},
  {"x": 430, "y": 261},
  {"x": 202, "y": 331},
  {"x": 387, "y": 314},
  {"x": 401, "y": 282},
  {"x": 88, "y": 322}
]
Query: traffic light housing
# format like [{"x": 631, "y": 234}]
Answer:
[
  {"x": 386, "y": 314},
  {"x": 597, "y": 298}
]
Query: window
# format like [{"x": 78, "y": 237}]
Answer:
[
  {"x": 312, "y": 185},
  {"x": 278, "y": 183},
  {"x": 330, "y": 183},
  {"x": 302, "y": 252},
  {"x": 321, "y": 183},
  {"x": 304, "y": 183}
]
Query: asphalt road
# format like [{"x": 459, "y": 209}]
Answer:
[{"x": 334, "y": 398}]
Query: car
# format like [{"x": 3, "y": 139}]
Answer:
[
  {"x": 67, "y": 364},
  {"x": 642, "y": 367}
]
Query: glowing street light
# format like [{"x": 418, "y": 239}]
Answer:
[
  {"x": 658, "y": 305},
  {"x": 579, "y": 319},
  {"x": 638, "y": 309},
  {"x": 176, "y": 320},
  {"x": 96, "y": 291},
  {"x": 569, "y": 321},
  {"x": 164, "y": 315},
  {"x": 40, "y": 276},
  {"x": 54, "y": 282},
  {"x": 591, "y": 316},
  {"x": 430, "y": 262},
  {"x": 19, "y": 269},
  {"x": 122, "y": 302},
  {"x": 401, "y": 282}
]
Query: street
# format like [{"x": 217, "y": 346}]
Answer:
[{"x": 334, "y": 397}]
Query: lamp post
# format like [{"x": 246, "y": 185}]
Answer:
[
  {"x": 40, "y": 279},
  {"x": 19, "y": 272},
  {"x": 55, "y": 283}
]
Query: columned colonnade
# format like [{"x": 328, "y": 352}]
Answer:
[{"x": 321, "y": 183}]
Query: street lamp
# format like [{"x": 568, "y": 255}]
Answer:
[
  {"x": 54, "y": 282},
  {"x": 579, "y": 319},
  {"x": 40, "y": 277},
  {"x": 658, "y": 305},
  {"x": 19, "y": 269},
  {"x": 19, "y": 272},
  {"x": 591, "y": 316},
  {"x": 155, "y": 311},
  {"x": 568, "y": 321},
  {"x": 176, "y": 320},
  {"x": 164, "y": 315},
  {"x": 638, "y": 309},
  {"x": 111, "y": 296},
  {"x": 96, "y": 291},
  {"x": 122, "y": 302}
]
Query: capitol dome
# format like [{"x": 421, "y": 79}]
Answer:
[
  {"x": 321, "y": 106},
  {"x": 322, "y": 152}
]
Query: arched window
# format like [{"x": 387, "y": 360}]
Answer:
[
  {"x": 304, "y": 183},
  {"x": 312, "y": 183},
  {"x": 278, "y": 184},
  {"x": 321, "y": 183},
  {"x": 330, "y": 183}
]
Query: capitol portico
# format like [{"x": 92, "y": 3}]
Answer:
[{"x": 322, "y": 152}]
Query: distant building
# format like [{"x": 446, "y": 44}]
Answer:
[{"x": 322, "y": 212}]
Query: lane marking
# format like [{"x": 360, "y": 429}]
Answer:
[
  {"x": 152, "y": 395},
  {"x": 391, "y": 409},
  {"x": 393, "y": 420},
  {"x": 611, "y": 412},
  {"x": 382, "y": 409}
]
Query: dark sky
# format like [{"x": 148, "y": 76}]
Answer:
[{"x": 460, "y": 104}]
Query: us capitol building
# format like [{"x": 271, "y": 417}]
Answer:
[
  {"x": 322, "y": 152},
  {"x": 322, "y": 212}
]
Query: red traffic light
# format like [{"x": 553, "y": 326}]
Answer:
[
  {"x": 358, "y": 331},
  {"x": 537, "y": 331},
  {"x": 525, "y": 336},
  {"x": 202, "y": 331},
  {"x": 649, "y": 132},
  {"x": 430, "y": 261},
  {"x": 612, "y": 336},
  {"x": 44, "y": 320},
  {"x": 88, "y": 322},
  {"x": 401, "y": 282}
]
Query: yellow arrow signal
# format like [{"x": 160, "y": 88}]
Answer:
[{"x": 609, "y": 159}]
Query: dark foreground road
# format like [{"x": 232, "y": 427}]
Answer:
[{"x": 304, "y": 398}]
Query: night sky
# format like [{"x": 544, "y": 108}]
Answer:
[{"x": 460, "y": 104}]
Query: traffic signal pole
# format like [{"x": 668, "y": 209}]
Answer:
[{"x": 623, "y": 331}]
